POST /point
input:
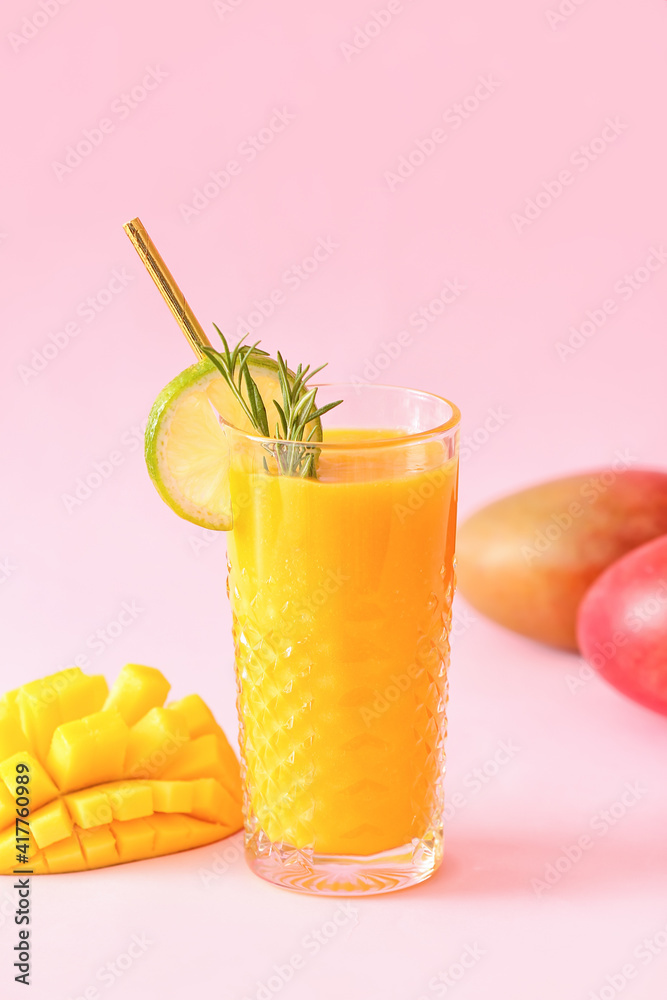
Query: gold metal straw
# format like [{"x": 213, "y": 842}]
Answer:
[{"x": 168, "y": 288}]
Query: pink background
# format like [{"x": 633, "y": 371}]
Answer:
[{"x": 218, "y": 76}]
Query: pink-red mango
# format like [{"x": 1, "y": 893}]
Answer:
[{"x": 622, "y": 625}]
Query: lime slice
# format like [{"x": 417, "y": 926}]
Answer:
[{"x": 187, "y": 454}]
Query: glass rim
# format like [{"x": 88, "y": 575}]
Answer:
[{"x": 409, "y": 438}]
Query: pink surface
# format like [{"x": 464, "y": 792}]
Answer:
[{"x": 409, "y": 160}]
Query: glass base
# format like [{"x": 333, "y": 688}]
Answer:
[{"x": 347, "y": 874}]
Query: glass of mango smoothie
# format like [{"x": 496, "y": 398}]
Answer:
[
  {"x": 340, "y": 558},
  {"x": 341, "y": 584}
]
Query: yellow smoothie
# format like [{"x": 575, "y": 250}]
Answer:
[{"x": 341, "y": 590}]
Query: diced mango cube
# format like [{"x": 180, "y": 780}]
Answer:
[
  {"x": 207, "y": 756},
  {"x": 50, "y": 824},
  {"x": 129, "y": 799},
  {"x": 38, "y": 864},
  {"x": 12, "y": 737},
  {"x": 39, "y": 713},
  {"x": 172, "y": 832},
  {"x": 99, "y": 847},
  {"x": 173, "y": 796},
  {"x": 40, "y": 787},
  {"x": 134, "y": 839},
  {"x": 204, "y": 833},
  {"x": 65, "y": 856},
  {"x": 180, "y": 833},
  {"x": 214, "y": 804},
  {"x": 8, "y": 850},
  {"x": 89, "y": 807},
  {"x": 154, "y": 741},
  {"x": 198, "y": 716},
  {"x": 82, "y": 695},
  {"x": 136, "y": 690},
  {"x": 8, "y": 699},
  {"x": 7, "y": 807},
  {"x": 88, "y": 751},
  {"x": 194, "y": 759}
]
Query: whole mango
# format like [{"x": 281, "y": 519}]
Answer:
[
  {"x": 622, "y": 625},
  {"x": 527, "y": 560}
]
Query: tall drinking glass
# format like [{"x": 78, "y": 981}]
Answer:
[{"x": 341, "y": 589}]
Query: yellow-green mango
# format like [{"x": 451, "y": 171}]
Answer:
[{"x": 526, "y": 560}]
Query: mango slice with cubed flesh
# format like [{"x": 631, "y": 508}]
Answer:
[{"x": 113, "y": 776}]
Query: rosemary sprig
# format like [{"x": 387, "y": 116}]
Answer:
[{"x": 298, "y": 409}]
